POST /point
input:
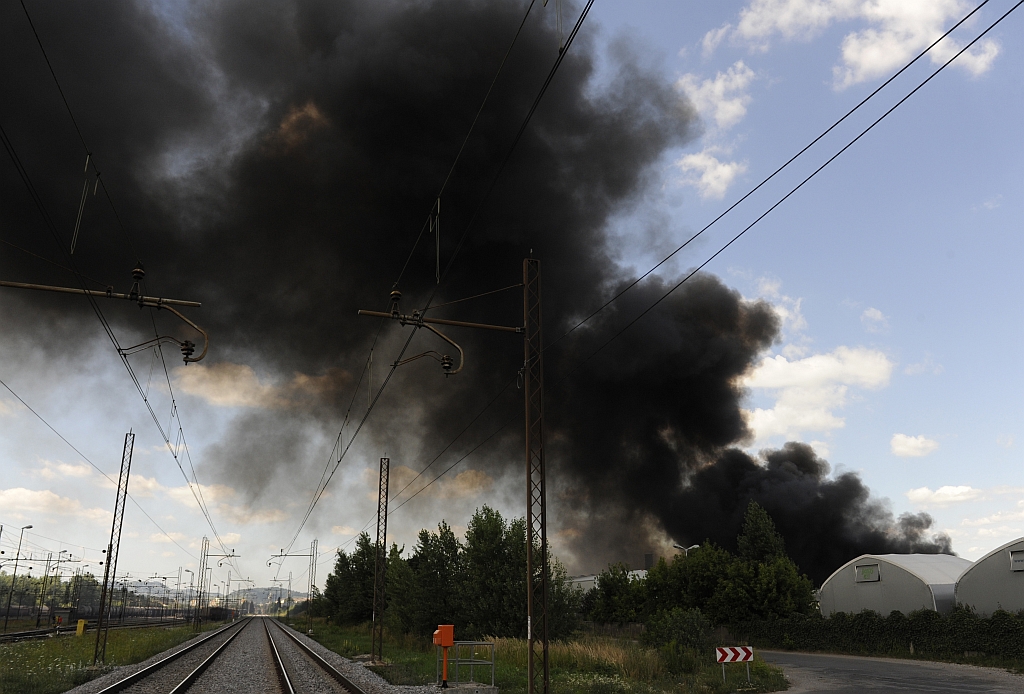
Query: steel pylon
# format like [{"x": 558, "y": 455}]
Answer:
[
  {"x": 536, "y": 513},
  {"x": 381, "y": 563},
  {"x": 113, "y": 547}
]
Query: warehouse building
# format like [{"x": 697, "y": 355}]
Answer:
[
  {"x": 887, "y": 582},
  {"x": 994, "y": 582}
]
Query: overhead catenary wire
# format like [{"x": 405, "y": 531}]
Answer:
[
  {"x": 99, "y": 182},
  {"x": 689, "y": 275},
  {"x": 469, "y": 226},
  {"x": 768, "y": 178},
  {"x": 55, "y": 233},
  {"x": 81, "y": 137},
  {"x": 94, "y": 466}
]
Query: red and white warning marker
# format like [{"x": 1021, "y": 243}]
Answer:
[{"x": 734, "y": 654}]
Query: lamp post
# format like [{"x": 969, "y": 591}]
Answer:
[
  {"x": 686, "y": 550},
  {"x": 14, "y": 576},
  {"x": 188, "y": 600}
]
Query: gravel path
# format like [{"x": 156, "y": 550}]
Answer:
[
  {"x": 307, "y": 677},
  {"x": 370, "y": 682},
  {"x": 119, "y": 673},
  {"x": 244, "y": 667}
]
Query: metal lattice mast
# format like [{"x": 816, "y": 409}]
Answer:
[
  {"x": 312, "y": 585},
  {"x": 204, "y": 557},
  {"x": 536, "y": 514},
  {"x": 110, "y": 565},
  {"x": 381, "y": 564}
]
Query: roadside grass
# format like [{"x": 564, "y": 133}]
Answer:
[
  {"x": 57, "y": 664},
  {"x": 587, "y": 665}
]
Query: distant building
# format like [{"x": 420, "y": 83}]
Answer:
[
  {"x": 994, "y": 582},
  {"x": 588, "y": 582},
  {"x": 887, "y": 582}
]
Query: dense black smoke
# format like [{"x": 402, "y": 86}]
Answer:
[{"x": 278, "y": 160}]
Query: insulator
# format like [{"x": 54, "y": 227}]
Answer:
[
  {"x": 138, "y": 274},
  {"x": 396, "y": 296},
  {"x": 447, "y": 363},
  {"x": 188, "y": 348}
]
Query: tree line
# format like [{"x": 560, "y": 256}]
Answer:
[{"x": 478, "y": 584}]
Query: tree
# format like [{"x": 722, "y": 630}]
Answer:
[
  {"x": 349, "y": 588},
  {"x": 759, "y": 541},
  {"x": 437, "y": 568},
  {"x": 618, "y": 598}
]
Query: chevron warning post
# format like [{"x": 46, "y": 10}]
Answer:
[{"x": 734, "y": 654}]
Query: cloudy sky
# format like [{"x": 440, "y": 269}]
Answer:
[{"x": 892, "y": 271}]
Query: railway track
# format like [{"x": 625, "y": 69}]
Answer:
[{"x": 256, "y": 655}]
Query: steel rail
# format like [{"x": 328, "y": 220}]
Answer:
[
  {"x": 150, "y": 669},
  {"x": 194, "y": 675},
  {"x": 282, "y": 674},
  {"x": 318, "y": 659}
]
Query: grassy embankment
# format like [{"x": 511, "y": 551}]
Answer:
[
  {"x": 588, "y": 665},
  {"x": 53, "y": 665}
]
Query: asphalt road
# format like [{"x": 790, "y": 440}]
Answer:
[{"x": 843, "y": 674}]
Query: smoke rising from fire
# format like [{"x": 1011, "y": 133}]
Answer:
[{"x": 278, "y": 161}]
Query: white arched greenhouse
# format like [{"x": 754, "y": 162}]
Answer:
[
  {"x": 887, "y": 582},
  {"x": 994, "y": 582}
]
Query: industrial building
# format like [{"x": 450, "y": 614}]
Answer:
[
  {"x": 994, "y": 582},
  {"x": 887, "y": 582}
]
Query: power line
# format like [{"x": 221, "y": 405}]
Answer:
[
  {"x": 522, "y": 129},
  {"x": 735, "y": 238},
  {"x": 78, "y": 130},
  {"x": 37, "y": 200},
  {"x": 86, "y": 459},
  {"x": 768, "y": 178},
  {"x": 117, "y": 216}
]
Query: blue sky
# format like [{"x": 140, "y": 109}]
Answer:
[{"x": 895, "y": 271}]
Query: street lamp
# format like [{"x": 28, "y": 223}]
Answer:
[
  {"x": 686, "y": 550},
  {"x": 10, "y": 595}
]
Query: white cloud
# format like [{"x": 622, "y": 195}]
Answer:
[
  {"x": 7, "y": 407},
  {"x": 810, "y": 389},
  {"x": 51, "y": 470},
  {"x": 343, "y": 530},
  {"x": 874, "y": 321},
  {"x": 927, "y": 365},
  {"x": 1005, "y": 440},
  {"x": 912, "y": 446},
  {"x": 943, "y": 496},
  {"x": 895, "y": 31},
  {"x": 20, "y": 501},
  {"x": 711, "y": 39},
  {"x": 723, "y": 98},
  {"x": 708, "y": 174},
  {"x": 170, "y": 537}
]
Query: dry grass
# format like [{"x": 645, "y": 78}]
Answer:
[{"x": 592, "y": 654}]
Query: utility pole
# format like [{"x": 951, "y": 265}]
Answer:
[
  {"x": 536, "y": 512},
  {"x": 14, "y": 576},
  {"x": 312, "y": 588},
  {"x": 536, "y": 503},
  {"x": 381, "y": 564},
  {"x": 197, "y": 619},
  {"x": 110, "y": 565}
]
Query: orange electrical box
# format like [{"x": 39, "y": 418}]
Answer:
[{"x": 444, "y": 635}]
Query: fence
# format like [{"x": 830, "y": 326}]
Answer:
[{"x": 463, "y": 654}]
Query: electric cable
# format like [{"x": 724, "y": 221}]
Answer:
[
  {"x": 78, "y": 130},
  {"x": 124, "y": 230},
  {"x": 777, "y": 171},
  {"x": 737, "y": 236},
  {"x": 96, "y": 467},
  {"x": 52, "y": 262},
  {"x": 40, "y": 206},
  {"x": 448, "y": 266}
]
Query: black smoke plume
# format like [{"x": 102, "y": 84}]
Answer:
[{"x": 277, "y": 162}]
